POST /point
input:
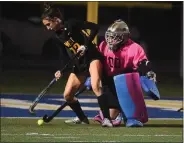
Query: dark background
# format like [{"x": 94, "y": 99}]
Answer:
[{"x": 26, "y": 45}]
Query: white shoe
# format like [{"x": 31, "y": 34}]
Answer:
[
  {"x": 76, "y": 120},
  {"x": 106, "y": 123},
  {"x": 117, "y": 121}
]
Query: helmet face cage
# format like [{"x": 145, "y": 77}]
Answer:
[
  {"x": 117, "y": 34},
  {"x": 113, "y": 39}
]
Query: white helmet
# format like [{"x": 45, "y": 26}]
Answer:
[{"x": 117, "y": 34}]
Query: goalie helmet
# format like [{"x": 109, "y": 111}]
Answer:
[{"x": 117, "y": 34}]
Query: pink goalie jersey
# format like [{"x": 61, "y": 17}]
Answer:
[{"x": 126, "y": 58}]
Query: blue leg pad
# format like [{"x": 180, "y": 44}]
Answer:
[
  {"x": 130, "y": 96},
  {"x": 149, "y": 88},
  {"x": 133, "y": 123},
  {"x": 88, "y": 83}
]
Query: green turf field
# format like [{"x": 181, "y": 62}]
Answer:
[
  {"x": 26, "y": 130},
  {"x": 34, "y": 81}
]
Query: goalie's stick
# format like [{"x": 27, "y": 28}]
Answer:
[{"x": 42, "y": 93}]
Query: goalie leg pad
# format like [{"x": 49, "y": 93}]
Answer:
[
  {"x": 130, "y": 96},
  {"x": 149, "y": 88},
  {"x": 88, "y": 83},
  {"x": 133, "y": 123}
]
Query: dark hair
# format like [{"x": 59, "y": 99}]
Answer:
[{"x": 51, "y": 12}]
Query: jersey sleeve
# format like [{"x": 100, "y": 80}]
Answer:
[
  {"x": 94, "y": 28},
  {"x": 84, "y": 26},
  {"x": 101, "y": 47},
  {"x": 139, "y": 56}
]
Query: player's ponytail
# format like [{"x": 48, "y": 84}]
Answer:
[{"x": 50, "y": 11}]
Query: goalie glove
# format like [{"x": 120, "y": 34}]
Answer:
[
  {"x": 145, "y": 69},
  {"x": 82, "y": 49},
  {"x": 151, "y": 75}
]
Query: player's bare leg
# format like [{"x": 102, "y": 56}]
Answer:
[
  {"x": 96, "y": 72},
  {"x": 72, "y": 85}
]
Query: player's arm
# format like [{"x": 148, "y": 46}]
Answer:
[
  {"x": 85, "y": 25},
  {"x": 143, "y": 65},
  {"x": 145, "y": 68},
  {"x": 94, "y": 28}
]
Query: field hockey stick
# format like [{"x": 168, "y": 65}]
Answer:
[
  {"x": 42, "y": 93},
  {"x": 179, "y": 110},
  {"x": 47, "y": 118},
  {"x": 87, "y": 85}
]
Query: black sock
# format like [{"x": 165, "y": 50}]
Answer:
[
  {"x": 103, "y": 105},
  {"x": 77, "y": 109}
]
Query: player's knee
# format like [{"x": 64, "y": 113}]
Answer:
[
  {"x": 68, "y": 97},
  {"x": 96, "y": 88}
]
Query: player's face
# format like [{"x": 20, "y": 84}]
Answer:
[{"x": 52, "y": 24}]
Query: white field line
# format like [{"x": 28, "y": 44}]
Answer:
[
  {"x": 92, "y": 100},
  {"x": 41, "y": 106},
  {"x": 44, "y": 106},
  {"x": 57, "y": 118},
  {"x": 39, "y": 136},
  {"x": 59, "y": 137},
  {"x": 83, "y": 100},
  {"x": 19, "y": 104},
  {"x": 69, "y": 135},
  {"x": 98, "y": 141}
]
